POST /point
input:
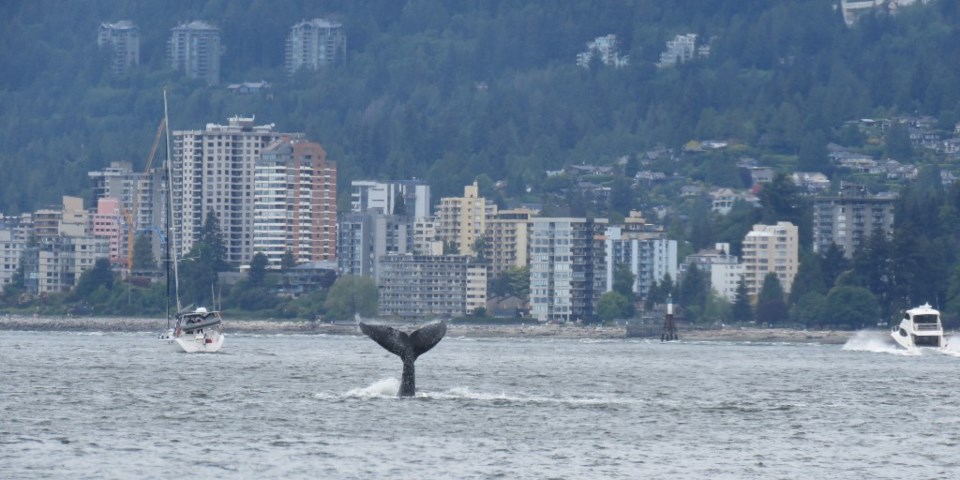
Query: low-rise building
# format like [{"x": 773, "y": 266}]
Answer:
[
  {"x": 722, "y": 268},
  {"x": 417, "y": 286}
]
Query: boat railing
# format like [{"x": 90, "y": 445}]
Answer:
[{"x": 921, "y": 327}]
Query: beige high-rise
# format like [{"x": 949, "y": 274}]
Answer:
[{"x": 770, "y": 248}]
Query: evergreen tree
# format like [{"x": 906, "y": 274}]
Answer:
[
  {"x": 898, "y": 145},
  {"x": 742, "y": 310},
  {"x": 199, "y": 282},
  {"x": 258, "y": 269},
  {"x": 832, "y": 265},
  {"x": 623, "y": 280},
  {"x": 809, "y": 278},
  {"x": 100, "y": 276},
  {"x": 771, "y": 307},
  {"x": 780, "y": 202},
  {"x": 694, "y": 286},
  {"x": 288, "y": 261}
]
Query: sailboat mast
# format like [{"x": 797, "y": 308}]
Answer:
[{"x": 171, "y": 239}]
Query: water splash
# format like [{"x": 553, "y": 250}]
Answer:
[
  {"x": 383, "y": 388},
  {"x": 953, "y": 346},
  {"x": 876, "y": 342}
]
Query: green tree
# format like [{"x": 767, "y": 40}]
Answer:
[
  {"x": 621, "y": 196},
  {"x": 813, "y": 154},
  {"x": 514, "y": 281},
  {"x": 198, "y": 270},
  {"x": 833, "y": 264},
  {"x": 100, "y": 276},
  {"x": 742, "y": 311},
  {"x": 612, "y": 305},
  {"x": 694, "y": 287},
  {"x": 258, "y": 269},
  {"x": 780, "y": 201},
  {"x": 351, "y": 295},
  {"x": 808, "y": 309},
  {"x": 288, "y": 261},
  {"x": 898, "y": 144},
  {"x": 623, "y": 280},
  {"x": 717, "y": 308},
  {"x": 850, "y": 307},
  {"x": 771, "y": 306},
  {"x": 658, "y": 292},
  {"x": 809, "y": 278}
]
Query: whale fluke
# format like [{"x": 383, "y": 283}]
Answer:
[{"x": 407, "y": 346}]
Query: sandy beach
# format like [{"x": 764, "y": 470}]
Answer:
[{"x": 110, "y": 324}]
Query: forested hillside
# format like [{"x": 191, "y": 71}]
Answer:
[{"x": 448, "y": 90}]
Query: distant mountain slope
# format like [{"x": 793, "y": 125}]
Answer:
[{"x": 447, "y": 90}]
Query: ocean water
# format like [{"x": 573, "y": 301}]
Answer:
[{"x": 118, "y": 405}]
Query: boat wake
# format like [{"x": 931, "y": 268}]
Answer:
[
  {"x": 876, "y": 342},
  {"x": 953, "y": 346}
]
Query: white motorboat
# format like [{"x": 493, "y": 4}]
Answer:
[{"x": 920, "y": 327}]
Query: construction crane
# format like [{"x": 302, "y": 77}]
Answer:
[{"x": 131, "y": 216}]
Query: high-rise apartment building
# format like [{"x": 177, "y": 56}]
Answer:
[
  {"x": 507, "y": 237},
  {"x": 648, "y": 257},
  {"x": 849, "y": 218},
  {"x": 123, "y": 39},
  {"x": 567, "y": 269},
  {"x": 431, "y": 285},
  {"x": 770, "y": 248},
  {"x": 364, "y": 238},
  {"x": 410, "y": 198},
  {"x": 213, "y": 173},
  {"x": 107, "y": 222},
  {"x": 141, "y": 197},
  {"x": 14, "y": 234},
  {"x": 194, "y": 49},
  {"x": 295, "y": 202},
  {"x": 462, "y": 220},
  {"x": 313, "y": 44}
]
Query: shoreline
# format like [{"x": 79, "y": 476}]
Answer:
[{"x": 729, "y": 334}]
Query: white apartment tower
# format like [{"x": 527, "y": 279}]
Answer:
[
  {"x": 123, "y": 38},
  {"x": 649, "y": 258},
  {"x": 194, "y": 48},
  {"x": 295, "y": 203},
  {"x": 213, "y": 173},
  {"x": 313, "y": 44},
  {"x": 410, "y": 196},
  {"x": 567, "y": 270},
  {"x": 770, "y": 248}
]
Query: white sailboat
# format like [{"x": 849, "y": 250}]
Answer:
[{"x": 199, "y": 330}]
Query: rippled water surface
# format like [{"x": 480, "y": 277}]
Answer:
[{"x": 120, "y": 406}]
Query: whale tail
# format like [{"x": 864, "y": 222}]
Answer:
[{"x": 407, "y": 346}]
